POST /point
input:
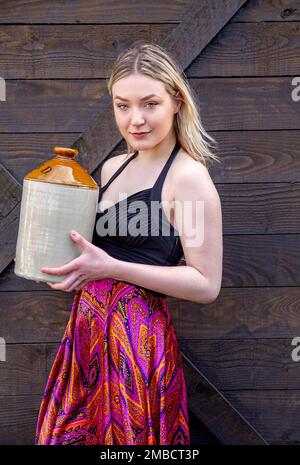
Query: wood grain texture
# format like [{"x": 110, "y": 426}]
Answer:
[
  {"x": 238, "y": 313},
  {"x": 239, "y": 49},
  {"x": 251, "y": 49},
  {"x": 10, "y": 195},
  {"x": 273, "y": 413},
  {"x": 92, "y": 11},
  {"x": 106, "y": 12},
  {"x": 83, "y": 106},
  {"x": 216, "y": 412},
  {"x": 246, "y": 156},
  {"x": 269, "y": 10},
  {"x": 245, "y": 364},
  {"x": 244, "y": 263}
]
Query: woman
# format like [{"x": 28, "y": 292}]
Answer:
[{"x": 118, "y": 375}]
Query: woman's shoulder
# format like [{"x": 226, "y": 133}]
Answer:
[
  {"x": 110, "y": 166},
  {"x": 192, "y": 175}
]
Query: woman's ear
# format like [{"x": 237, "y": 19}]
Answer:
[{"x": 177, "y": 102}]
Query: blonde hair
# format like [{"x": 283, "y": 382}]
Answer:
[{"x": 153, "y": 60}]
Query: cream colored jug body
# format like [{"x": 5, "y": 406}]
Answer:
[{"x": 57, "y": 197}]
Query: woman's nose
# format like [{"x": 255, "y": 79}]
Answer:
[{"x": 137, "y": 117}]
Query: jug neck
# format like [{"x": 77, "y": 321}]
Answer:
[{"x": 65, "y": 153}]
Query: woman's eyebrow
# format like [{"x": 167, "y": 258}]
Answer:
[{"x": 144, "y": 98}]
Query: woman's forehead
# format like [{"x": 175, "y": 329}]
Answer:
[{"x": 137, "y": 87}]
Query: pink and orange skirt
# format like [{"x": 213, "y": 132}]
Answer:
[{"x": 117, "y": 377}]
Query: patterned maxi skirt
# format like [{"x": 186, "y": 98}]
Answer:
[{"x": 117, "y": 377}]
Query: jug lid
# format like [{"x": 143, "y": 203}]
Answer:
[{"x": 63, "y": 169}]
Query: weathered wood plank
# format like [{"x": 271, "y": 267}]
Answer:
[
  {"x": 200, "y": 435},
  {"x": 10, "y": 194},
  {"x": 197, "y": 28},
  {"x": 26, "y": 368},
  {"x": 257, "y": 156},
  {"x": 215, "y": 411},
  {"x": 94, "y": 49},
  {"x": 21, "y": 153},
  {"x": 247, "y": 103},
  {"x": 250, "y": 363},
  {"x": 269, "y": 10},
  {"x": 225, "y": 104},
  {"x": 246, "y": 156},
  {"x": 239, "y": 49},
  {"x": 260, "y": 208},
  {"x": 245, "y": 258},
  {"x": 104, "y": 12},
  {"x": 91, "y": 11},
  {"x": 275, "y": 414},
  {"x": 18, "y": 419},
  {"x": 239, "y": 313},
  {"x": 244, "y": 263},
  {"x": 37, "y": 317},
  {"x": 254, "y": 49},
  {"x": 230, "y": 364},
  {"x": 53, "y": 106}
]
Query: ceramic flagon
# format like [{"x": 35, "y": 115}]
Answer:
[{"x": 57, "y": 196}]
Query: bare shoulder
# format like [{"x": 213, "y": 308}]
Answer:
[
  {"x": 110, "y": 166},
  {"x": 192, "y": 179}
]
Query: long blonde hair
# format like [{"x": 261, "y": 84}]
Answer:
[{"x": 153, "y": 60}]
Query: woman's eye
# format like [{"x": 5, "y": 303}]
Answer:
[{"x": 150, "y": 103}]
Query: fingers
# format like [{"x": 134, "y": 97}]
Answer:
[
  {"x": 78, "y": 284},
  {"x": 68, "y": 268},
  {"x": 67, "y": 285},
  {"x": 74, "y": 283}
]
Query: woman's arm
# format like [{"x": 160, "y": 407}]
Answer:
[
  {"x": 183, "y": 282},
  {"x": 198, "y": 218}
]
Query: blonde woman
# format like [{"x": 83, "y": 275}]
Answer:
[{"x": 118, "y": 375}]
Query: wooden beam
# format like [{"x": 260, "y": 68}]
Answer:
[
  {"x": 10, "y": 195},
  {"x": 215, "y": 411}
]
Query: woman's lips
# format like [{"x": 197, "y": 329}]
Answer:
[{"x": 140, "y": 134}]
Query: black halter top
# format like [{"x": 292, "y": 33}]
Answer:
[{"x": 128, "y": 231}]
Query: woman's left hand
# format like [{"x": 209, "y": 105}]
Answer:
[{"x": 93, "y": 264}]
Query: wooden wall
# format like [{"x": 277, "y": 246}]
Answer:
[{"x": 55, "y": 58}]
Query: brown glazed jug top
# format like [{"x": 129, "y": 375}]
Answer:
[{"x": 63, "y": 169}]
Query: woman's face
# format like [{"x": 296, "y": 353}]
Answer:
[{"x": 142, "y": 104}]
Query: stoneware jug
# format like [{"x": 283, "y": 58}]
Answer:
[{"x": 57, "y": 196}]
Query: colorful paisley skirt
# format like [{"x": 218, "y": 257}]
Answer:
[{"x": 117, "y": 377}]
